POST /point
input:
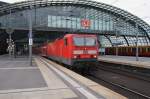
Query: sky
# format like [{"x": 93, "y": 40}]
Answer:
[{"x": 139, "y": 8}]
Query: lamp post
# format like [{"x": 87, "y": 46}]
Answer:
[
  {"x": 137, "y": 49},
  {"x": 116, "y": 34},
  {"x": 30, "y": 34},
  {"x": 116, "y": 42}
]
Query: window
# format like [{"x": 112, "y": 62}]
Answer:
[
  {"x": 79, "y": 41},
  {"x": 89, "y": 41},
  {"x": 148, "y": 49},
  {"x": 143, "y": 50},
  {"x": 84, "y": 41},
  {"x": 134, "y": 49},
  {"x": 65, "y": 41}
]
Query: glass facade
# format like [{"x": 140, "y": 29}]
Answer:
[{"x": 110, "y": 27}]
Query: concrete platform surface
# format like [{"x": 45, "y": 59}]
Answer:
[
  {"x": 144, "y": 62},
  {"x": 18, "y": 74},
  {"x": 84, "y": 85},
  {"x": 46, "y": 80},
  {"x": 21, "y": 79}
]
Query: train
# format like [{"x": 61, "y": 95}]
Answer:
[
  {"x": 72, "y": 49},
  {"x": 144, "y": 51}
]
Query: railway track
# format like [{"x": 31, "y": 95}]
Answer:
[
  {"x": 132, "y": 95},
  {"x": 126, "y": 88},
  {"x": 139, "y": 73}
]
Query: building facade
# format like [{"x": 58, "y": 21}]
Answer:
[{"x": 112, "y": 25}]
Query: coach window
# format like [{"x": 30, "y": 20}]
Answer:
[
  {"x": 143, "y": 50},
  {"x": 65, "y": 41},
  {"x": 148, "y": 49}
]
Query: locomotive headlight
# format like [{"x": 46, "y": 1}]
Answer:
[
  {"x": 92, "y": 52},
  {"x": 78, "y": 52},
  {"x": 95, "y": 56},
  {"x": 74, "y": 56}
]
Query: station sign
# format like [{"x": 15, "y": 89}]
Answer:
[{"x": 85, "y": 23}]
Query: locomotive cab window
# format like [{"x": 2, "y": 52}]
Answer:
[
  {"x": 65, "y": 41},
  {"x": 78, "y": 41},
  {"x": 89, "y": 41},
  {"x": 84, "y": 41}
]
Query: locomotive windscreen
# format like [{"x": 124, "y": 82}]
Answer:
[{"x": 84, "y": 41}]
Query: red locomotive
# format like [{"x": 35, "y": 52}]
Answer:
[
  {"x": 144, "y": 51},
  {"x": 72, "y": 48}
]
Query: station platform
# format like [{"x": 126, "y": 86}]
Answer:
[
  {"x": 46, "y": 80},
  {"x": 144, "y": 62}
]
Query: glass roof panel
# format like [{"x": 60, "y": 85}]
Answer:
[{"x": 104, "y": 42}]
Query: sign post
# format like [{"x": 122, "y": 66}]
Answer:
[{"x": 9, "y": 31}]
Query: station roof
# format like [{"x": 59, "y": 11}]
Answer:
[
  {"x": 3, "y": 3},
  {"x": 25, "y": 5}
]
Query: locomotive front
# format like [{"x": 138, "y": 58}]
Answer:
[{"x": 85, "y": 48}]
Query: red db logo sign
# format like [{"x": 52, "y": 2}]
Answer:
[{"x": 85, "y": 23}]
